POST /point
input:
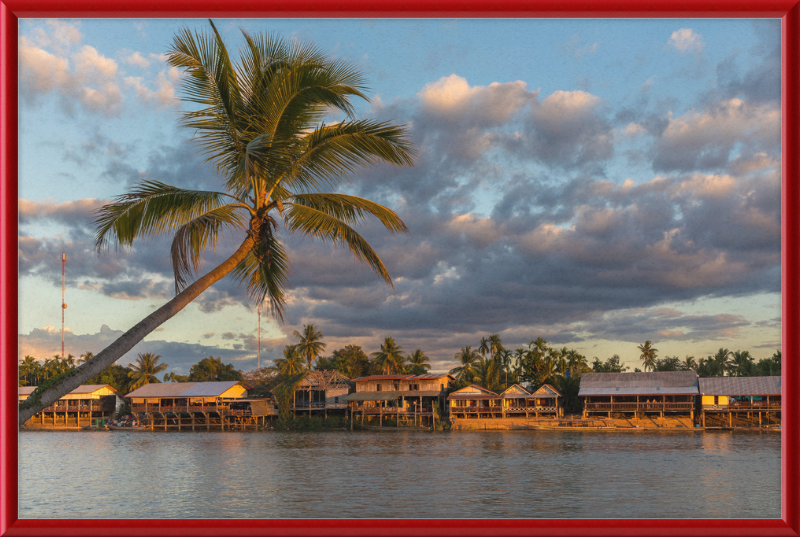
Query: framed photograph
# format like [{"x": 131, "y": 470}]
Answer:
[{"x": 595, "y": 174}]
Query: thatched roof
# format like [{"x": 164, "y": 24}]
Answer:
[
  {"x": 651, "y": 383},
  {"x": 322, "y": 379},
  {"x": 740, "y": 386}
]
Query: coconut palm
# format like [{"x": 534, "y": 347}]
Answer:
[
  {"x": 145, "y": 369},
  {"x": 487, "y": 374},
  {"x": 390, "y": 358},
  {"x": 418, "y": 362},
  {"x": 259, "y": 121},
  {"x": 741, "y": 364},
  {"x": 28, "y": 369},
  {"x": 468, "y": 359},
  {"x": 291, "y": 363},
  {"x": 690, "y": 363},
  {"x": 85, "y": 357},
  {"x": 721, "y": 360},
  {"x": 648, "y": 355},
  {"x": 310, "y": 345}
]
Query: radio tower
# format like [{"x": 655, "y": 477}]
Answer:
[
  {"x": 63, "y": 304},
  {"x": 259, "y": 336}
]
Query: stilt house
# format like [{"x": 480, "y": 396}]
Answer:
[
  {"x": 321, "y": 391},
  {"x": 400, "y": 397},
  {"x": 639, "y": 394},
  {"x": 543, "y": 403},
  {"x": 76, "y": 409},
  {"x": 193, "y": 405},
  {"x": 740, "y": 401},
  {"x": 475, "y": 401}
]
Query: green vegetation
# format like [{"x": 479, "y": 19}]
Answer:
[{"x": 145, "y": 369}]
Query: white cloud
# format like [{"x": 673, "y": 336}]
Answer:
[
  {"x": 137, "y": 60},
  {"x": 162, "y": 96},
  {"x": 58, "y": 34},
  {"x": 89, "y": 62},
  {"x": 686, "y": 40},
  {"x": 452, "y": 96}
]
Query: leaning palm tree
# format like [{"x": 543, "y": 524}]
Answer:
[
  {"x": 468, "y": 359},
  {"x": 390, "y": 358},
  {"x": 260, "y": 122},
  {"x": 648, "y": 355},
  {"x": 145, "y": 369},
  {"x": 310, "y": 345}
]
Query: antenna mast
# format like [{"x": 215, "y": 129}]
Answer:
[
  {"x": 63, "y": 304},
  {"x": 259, "y": 336}
]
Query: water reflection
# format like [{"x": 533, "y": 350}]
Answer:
[{"x": 511, "y": 474}]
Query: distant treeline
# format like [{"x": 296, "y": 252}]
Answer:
[{"x": 490, "y": 364}]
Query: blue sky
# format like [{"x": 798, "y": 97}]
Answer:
[{"x": 594, "y": 182}]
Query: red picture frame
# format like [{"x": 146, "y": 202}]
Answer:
[{"x": 787, "y": 10}]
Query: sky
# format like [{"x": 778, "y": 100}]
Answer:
[{"x": 597, "y": 183}]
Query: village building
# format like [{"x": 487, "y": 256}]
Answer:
[
  {"x": 321, "y": 391},
  {"x": 543, "y": 403},
  {"x": 198, "y": 405},
  {"x": 79, "y": 408},
  {"x": 729, "y": 402},
  {"x": 407, "y": 399},
  {"x": 475, "y": 401},
  {"x": 639, "y": 395}
]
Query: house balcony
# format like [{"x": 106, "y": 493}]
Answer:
[{"x": 644, "y": 407}]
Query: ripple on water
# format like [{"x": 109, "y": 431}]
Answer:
[{"x": 412, "y": 474}]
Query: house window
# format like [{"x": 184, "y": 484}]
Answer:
[
  {"x": 379, "y": 387},
  {"x": 716, "y": 399},
  {"x": 336, "y": 400},
  {"x": 413, "y": 387}
]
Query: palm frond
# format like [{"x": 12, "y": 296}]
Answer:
[
  {"x": 319, "y": 225},
  {"x": 212, "y": 81},
  {"x": 150, "y": 209},
  {"x": 194, "y": 238},
  {"x": 349, "y": 209},
  {"x": 266, "y": 280},
  {"x": 333, "y": 152}
]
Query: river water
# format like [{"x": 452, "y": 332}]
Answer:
[{"x": 396, "y": 474}]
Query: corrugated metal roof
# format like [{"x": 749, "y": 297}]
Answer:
[
  {"x": 431, "y": 376},
  {"x": 740, "y": 385},
  {"x": 475, "y": 387},
  {"x": 678, "y": 390},
  {"x": 515, "y": 391},
  {"x": 471, "y": 396},
  {"x": 651, "y": 383},
  {"x": 389, "y": 396},
  {"x": 163, "y": 389},
  {"x": 372, "y": 396},
  {"x": 83, "y": 388},
  {"x": 183, "y": 389},
  {"x": 209, "y": 389},
  {"x": 383, "y": 377},
  {"x": 545, "y": 390}
]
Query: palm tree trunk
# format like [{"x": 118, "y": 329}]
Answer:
[{"x": 105, "y": 358}]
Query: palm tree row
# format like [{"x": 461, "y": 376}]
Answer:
[
  {"x": 126, "y": 379},
  {"x": 351, "y": 361}
]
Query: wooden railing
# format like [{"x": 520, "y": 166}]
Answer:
[
  {"x": 477, "y": 409},
  {"x": 757, "y": 405},
  {"x": 531, "y": 409},
  {"x": 391, "y": 410},
  {"x": 79, "y": 408},
  {"x": 177, "y": 408},
  {"x": 685, "y": 406}
]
